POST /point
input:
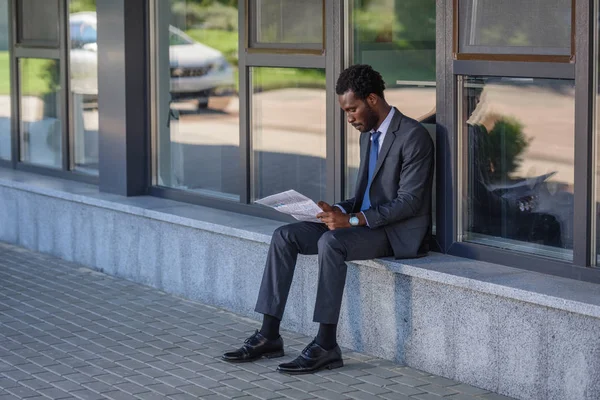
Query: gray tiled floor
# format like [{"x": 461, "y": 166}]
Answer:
[{"x": 67, "y": 332}]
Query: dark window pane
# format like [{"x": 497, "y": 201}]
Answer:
[
  {"x": 197, "y": 107},
  {"x": 518, "y": 158},
  {"x": 288, "y": 22},
  {"x": 5, "y": 99},
  {"x": 288, "y": 131},
  {"x": 39, "y": 21},
  {"x": 540, "y": 27},
  {"x": 41, "y": 125},
  {"x": 397, "y": 38}
]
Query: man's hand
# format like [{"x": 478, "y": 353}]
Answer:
[{"x": 333, "y": 217}]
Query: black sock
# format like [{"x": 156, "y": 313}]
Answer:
[
  {"x": 270, "y": 327},
  {"x": 326, "y": 338}
]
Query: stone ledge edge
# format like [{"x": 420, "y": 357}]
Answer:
[{"x": 395, "y": 266}]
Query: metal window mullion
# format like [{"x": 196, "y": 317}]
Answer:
[
  {"x": 333, "y": 136},
  {"x": 14, "y": 84},
  {"x": 245, "y": 103},
  {"x": 446, "y": 118},
  {"x": 284, "y": 60},
  {"x": 27, "y": 52},
  {"x": 583, "y": 210},
  {"x": 64, "y": 86},
  {"x": 514, "y": 69}
]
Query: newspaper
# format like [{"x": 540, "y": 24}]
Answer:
[{"x": 293, "y": 203}]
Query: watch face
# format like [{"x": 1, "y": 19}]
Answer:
[{"x": 353, "y": 220}]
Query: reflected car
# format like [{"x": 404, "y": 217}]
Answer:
[{"x": 198, "y": 72}]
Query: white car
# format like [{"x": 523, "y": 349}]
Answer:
[{"x": 197, "y": 71}]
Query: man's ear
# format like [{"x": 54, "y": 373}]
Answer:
[{"x": 372, "y": 99}]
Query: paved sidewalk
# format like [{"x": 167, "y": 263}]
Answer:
[{"x": 68, "y": 332}]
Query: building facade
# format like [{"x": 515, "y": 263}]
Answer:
[{"x": 169, "y": 118}]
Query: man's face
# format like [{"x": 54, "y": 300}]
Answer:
[{"x": 360, "y": 113}]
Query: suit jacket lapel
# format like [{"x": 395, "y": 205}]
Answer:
[{"x": 390, "y": 136}]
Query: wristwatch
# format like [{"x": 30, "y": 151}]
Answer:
[{"x": 353, "y": 220}]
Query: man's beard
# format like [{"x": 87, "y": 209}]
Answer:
[{"x": 370, "y": 120}]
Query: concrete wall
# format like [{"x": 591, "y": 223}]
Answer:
[{"x": 514, "y": 347}]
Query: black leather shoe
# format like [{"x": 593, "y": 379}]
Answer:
[
  {"x": 255, "y": 347},
  {"x": 312, "y": 359}
]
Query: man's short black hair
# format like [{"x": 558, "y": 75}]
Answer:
[{"x": 362, "y": 79}]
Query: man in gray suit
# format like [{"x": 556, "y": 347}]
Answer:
[{"x": 389, "y": 215}]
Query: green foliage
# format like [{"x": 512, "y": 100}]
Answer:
[
  {"x": 187, "y": 14},
  {"x": 504, "y": 145},
  {"x": 283, "y": 78},
  {"x": 4, "y": 73},
  {"x": 82, "y": 5},
  {"x": 224, "y": 41}
]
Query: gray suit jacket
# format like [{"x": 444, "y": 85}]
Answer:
[{"x": 401, "y": 188}]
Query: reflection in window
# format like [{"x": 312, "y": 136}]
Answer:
[
  {"x": 518, "y": 149},
  {"x": 288, "y": 131},
  {"x": 197, "y": 108},
  {"x": 83, "y": 72},
  {"x": 515, "y": 26},
  {"x": 288, "y": 22},
  {"x": 397, "y": 38},
  {"x": 41, "y": 137},
  {"x": 5, "y": 105}
]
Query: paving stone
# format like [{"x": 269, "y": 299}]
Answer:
[
  {"x": 163, "y": 389},
  {"x": 404, "y": 389},
  {"x": 263, "y": 393},
  {"x": 238, "y": 384},
  {"x": 22, "y": 391},
  {"x": 494, "y": 396},
  {"x": 462, "y": 396},
  {"x": 114, "y": 339},
  {"x": 409, "y": 381},
  {"x": 131, "y": 388},
  {"x": 337, "y": 387},
  {"x": 363, "y": 396},
  {"x": 329, "y": 395},
  {"x": 428, "y": 396},
  {"x": 117, "y": 395},
  {"x": 54, "y": 393},
  {"x": 372, "y": 389},
  {"x": 468, "y": 389},
  {"x": 86, "y": 394},
  {"x": 438, "y": 390},
  {"x": 375, "y": 380},
  {"x": 195, "y": 390},
  {"x": 67, "y": 385}
]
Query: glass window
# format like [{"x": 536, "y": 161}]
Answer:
[
  {"x": 278, "y": 22},
  {"x": 83, "y": 73},
  {"x": 5, "y": 99},
  {"x": 517, "y": 152},
  {"x": 397, "y": 38},
  {"x": 288, "y": 131},
  {"x": 41, "y": 132},
  {"x": 540, "y": 27},
  {"x": 196, "y": 145},
  {"x": 39, "y": 22}
]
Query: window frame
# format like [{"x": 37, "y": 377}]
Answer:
[
  {"x": 251, "y": 46},
  {"x": 42, "y": 50},
  {"x": 581, "y": 267},
  {"x": 457, "y": 55}
]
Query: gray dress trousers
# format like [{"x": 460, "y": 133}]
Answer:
[{"x": 334, "y": 249}]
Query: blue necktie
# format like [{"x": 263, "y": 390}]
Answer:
[{"x": 373, "y": 154}]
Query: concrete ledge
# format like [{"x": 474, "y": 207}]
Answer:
[
  {"x": 546, "y": 290},
  {"x": 519, "y": 333}
]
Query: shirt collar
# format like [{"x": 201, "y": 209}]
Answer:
[{"x": 383, "y": 128}]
